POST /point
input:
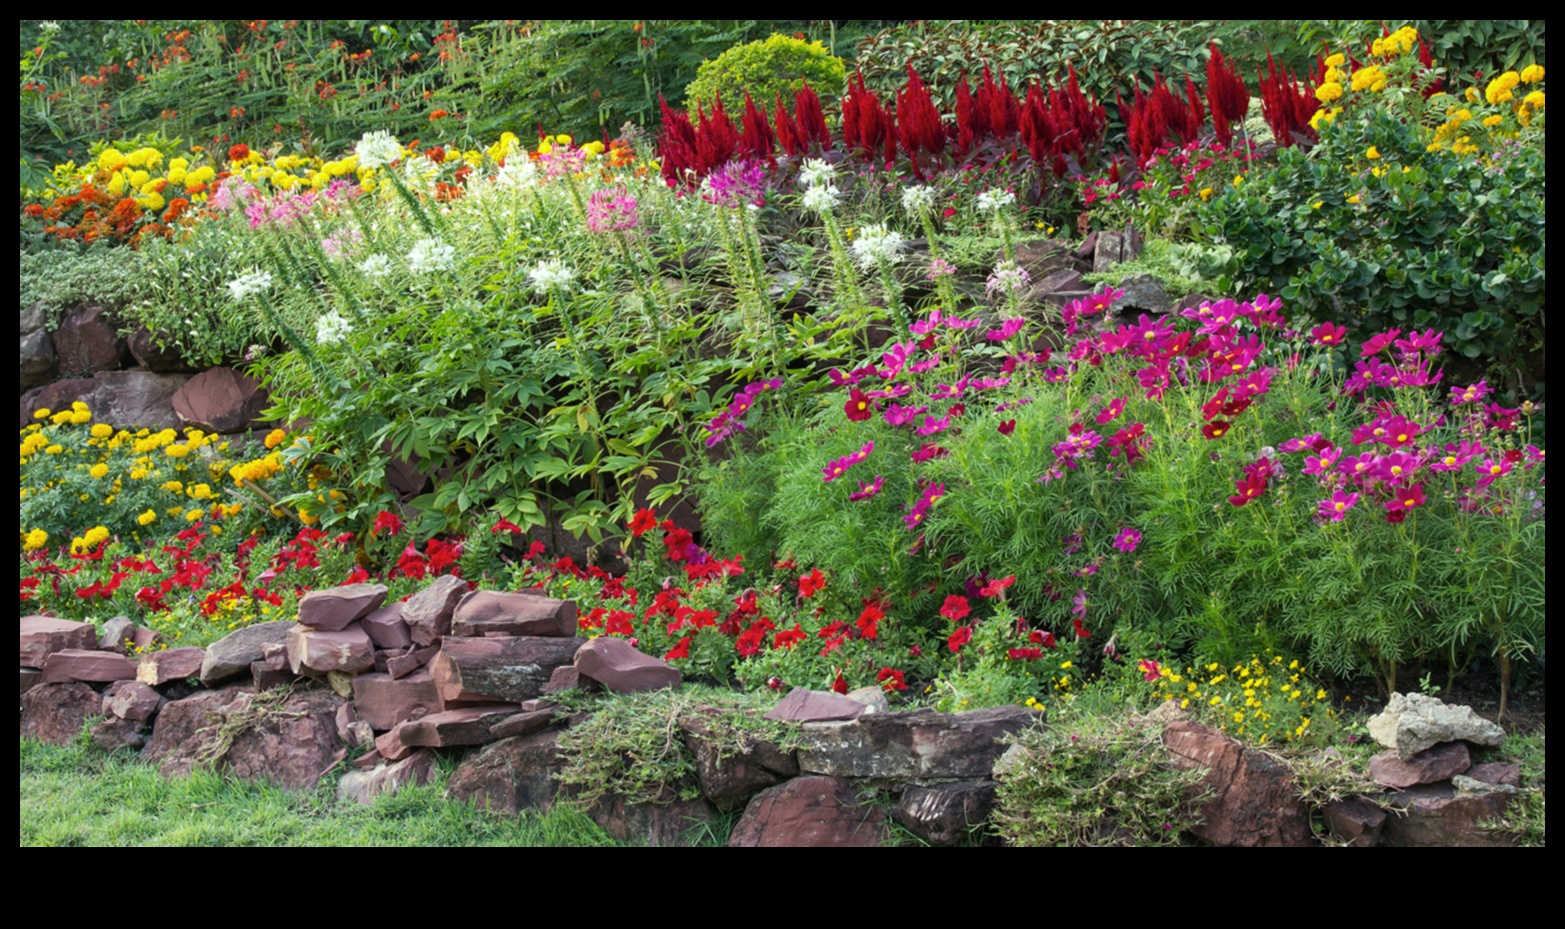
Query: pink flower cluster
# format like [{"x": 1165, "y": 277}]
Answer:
[{"x": 731, "y": 420}]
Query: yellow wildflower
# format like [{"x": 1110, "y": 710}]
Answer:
[{"x": 147, "y": 518}]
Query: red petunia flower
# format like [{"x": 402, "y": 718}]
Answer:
[
  {"x": 959, "y": 638},
  {"x": 955, "y": 608},
  {"x": 892, "y": 679},
  {"x": 812, "y": 583},
  {"x": 643, "y": 521},
  {"x": 387, "y": 522}
]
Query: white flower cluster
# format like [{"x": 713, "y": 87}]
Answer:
[
  {"x": 551, "y": 274},
  {"x": 1008, "y": 278},
  {"x": 815, "y": 172},
  {"x": 918, "y": 197},
  {"x": 375, "y": 266},
  {"x": 431, "y": 255},
  {"x": 516, "y": 172},
  {"x": 246, "y": 284},
  {"x": 377, "y": 149},
  {"x": 332, "y": 328},
  {"x": 875, "y": 244},
  {"x": 821, "y": 198},
  {"x": 992, "y": 201}
]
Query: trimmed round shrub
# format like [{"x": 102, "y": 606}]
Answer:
[{"x": 778, "y": 65}]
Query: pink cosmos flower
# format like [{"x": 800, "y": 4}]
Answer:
[
  {"x": 1111, "y": 412},
  {"x": 1127, "y": 540},
  {"x": 836, "y": 468},
  {"x": 1336, "y": 507},
  {"x": 866, "y": 491}
]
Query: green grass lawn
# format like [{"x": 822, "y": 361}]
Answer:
[{"x": 74, "y": 795}]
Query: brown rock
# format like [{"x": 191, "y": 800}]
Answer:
[
  {"x": 873, "y": 698},
  {"x": 173, "y": 664},
  {"x": 232, "y": 654},
  {"x": 387, "y": 779},
  {"x": 332, "y": 609},
  {"x": 40, "y": 364},
  {"x": 1437, "y": 815},
  {"x": 290, "y": 745},
  {"x": 348, "y": 650},
  {"x": 275, "y": 655},
  {"x": 1256, "y": 803},
  {"x": 729, "y": 778},
  {"x": 384, "y": 701},
  {"x": 267, "y": 677},
  {"x": 84, "y": 664},
  {"x": 386, "y": 628},
  {"x": 483, "y": 612},
  {"x": 415, "y": 658},
  {"x": 131, "y": 700},
  {"x": 1355, "y": 821},
  {"x": 136, "y": 398},
  {"x": 673, "y": 823},
  {"x": 88, "y": 340},
  {"x": 1430, "y": 766},
  {"x": 113, "y": 734},
  {"x": 144, "y": 640},
  {"x": 467, "y": 726},
  {"x": 117, "y": 635},
  {"x": 912, "y": 744},
  {"x": 55, "y": 713},
  {"x": 42, "y": 636},
  {"x": 947, "y": 814},
  {"x": 619, "y": 667},
  {"x": 523, "y": 723},
  {"x": 809, "y": 812},
  {"x": 509, "y": 669},
  {"x": 220, "y": 400},
  {"x": 511, "y": 775},
  {"x": 31, "y": 677},
  {"x": 1497, "y": 772},
  {"x": 814, "y": 706},
  {"x": 147, "y": 348},
  {"x": 564, "y": 678},
  {"x": 428, "y": 612},
  {"x": 57, "y": 396}
]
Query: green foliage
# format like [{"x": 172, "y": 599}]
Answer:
[
  {"x": 1523, "y": 821},
  {"x": 778, "y": 66},
  {"x": 1108, "y": 55},
  {"x": 59, "y": 280},
  {"x": 1096, "y": 781}
]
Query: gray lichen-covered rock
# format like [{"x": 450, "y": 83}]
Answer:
[
  {"x": 1411, "y": 723},
  {"x": 911, "y": 745}
]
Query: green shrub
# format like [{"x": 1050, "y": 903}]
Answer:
[{"x": 780, "y": 65}]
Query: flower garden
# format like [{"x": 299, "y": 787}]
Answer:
[{"x": 1137, "y": 402}]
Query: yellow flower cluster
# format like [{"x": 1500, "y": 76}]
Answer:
[
  {"x": 1369, "y": 77},
  {"x": 257, "y": 470},
  {"x": 89, "y": 540},
  {"x": 34, "y": 540},
  {"x": 1262, "y": 699},
  {"x": 1397, "y": 43}
]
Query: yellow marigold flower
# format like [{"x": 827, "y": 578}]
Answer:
[
  {"x": 193, "y": 515},
  {"x": 1329, "y": 91},
  {"x": 61, "y": 418},
  {"x": 177, "y": 451},
  {"x": 201, "y": 492},
  {"x": 1369, "y": 78},
  {"x": 81, "y": 417},
  {"x": 99, "y": 470},
  {"x": 1337, "y": 60},
  {"x": 112, "y": 159},
  {"x": 1494, "y": 120},
  {"x": 137, "y": 474},
  {"x": 275, "y": 438},
  {"x": 1534, "y": 99},
  {"x": 174, "y": 487},
  {"x": 1206, "y": 193},
  {"x": 147, "y": 518},
  {"x": 41, "y": 413},
  {"x": 102, "y": 431},
  {"x": 35, "y": 540},
  {"x": 1532, "y": 74},
  {"x": 1499, "y": 89},
  {"x": 54, "y": 449}
]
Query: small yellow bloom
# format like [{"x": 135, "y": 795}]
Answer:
[
  {"x": 99, "y": 470},
  {"x": 102, "y": 431},
  {"x": 1206, "y": 193},
  {"x": 1532, "y": 74},
  {"x": 147, "y": 518},
  {"x": 1329, "y": 91},
  {"x": 177, "y": 451},
  {"x": 1353, "y": 199},
  {"x": 1372, "y": 153},
  {"x": 1337, "y": 60},
  {"x": 35, "y": 540}
]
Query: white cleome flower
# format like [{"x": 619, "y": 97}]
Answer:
[
  {"x": 993, "y": 200},
  {"x": 815, "y": 171},
  {"x": 332, "y": 328},
  {"x": 377, "y": 149},
  {"x": 516, "y": 173},
  {"x": 431, "y": 255},
  {"x": 246, "y": 284},
  {"x": 918, "y": 197},
  {"x": 876, "y": 243},
  {"x": 551, "y": 274},
  {"x": 376, "y": 265},
  {"x": 822, "y": 198}
]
